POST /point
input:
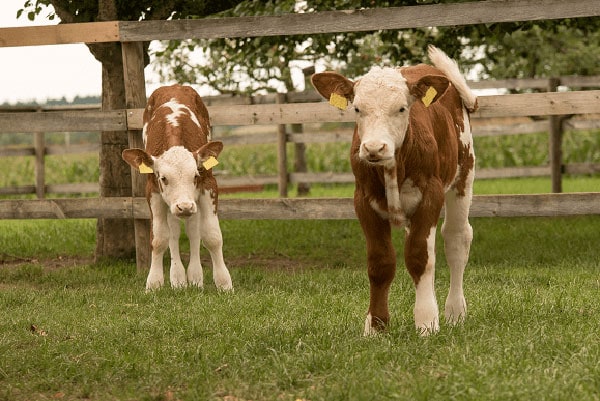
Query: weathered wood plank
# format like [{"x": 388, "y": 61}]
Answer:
[
  {"x": 88, "y": 32},
  {"x": 250, "y": 180},
  {"x": 322, "y": 177},
  {"x": 521, "y": 105},
  {"x": 539, "y": 104},
  {"x": 51, "y": 150},
  {"x": 540, "y": 205},
  {"x": 510, "y": 129},
  {"x": 287, "y": 209},
  {"x": 361, "y": 20},
  {"x": 248, "y": 139},
  {"x": 512, "y": 172},
  {"x": 62, "y": 121},
  {"x": 322, "y": 137},
  {"x": 68, "y": 208},
  {"x": 304, "y": 23}
]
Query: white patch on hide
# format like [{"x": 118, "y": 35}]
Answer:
[
  {"x": 426, "y": 309},
  {"x": 375, "y": 206},
  {"x": 145, "y": 133},
  {"x": 410, "y": 196},
  {"x": 466, "y": 137},
  {"x": 178, "y": 110}
]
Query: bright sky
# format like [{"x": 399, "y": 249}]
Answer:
[
  {"x": 38, "y": 73},
  {"x": 42, "y": 72}
]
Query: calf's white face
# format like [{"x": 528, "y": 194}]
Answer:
[
  {"x": 176, "y": 171},
  {"x": 381, "y": 102}
]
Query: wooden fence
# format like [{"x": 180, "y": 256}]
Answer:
[
  {"x": 132, "y": 34},
  {"x": 300, "y": 136}
]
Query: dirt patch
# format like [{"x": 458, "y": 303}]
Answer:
[
  {"x": 48, "y": 263},
  {"x": 276, "y": 262}
]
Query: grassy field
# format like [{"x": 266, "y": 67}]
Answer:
[{"x": 74, "y": 330}]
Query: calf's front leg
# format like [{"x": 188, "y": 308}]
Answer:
[
  {"x": 381, "y": 265},
  {"x": 177, "y": 271},
  {"x": 160, "y": 241},
  {"x": 194, "y": 271}
]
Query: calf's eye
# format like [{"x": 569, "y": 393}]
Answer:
[
  {"x": 402, "y": 109},
  {"x": 164, "y": 180},
  {"x": 356, "y": 110}
]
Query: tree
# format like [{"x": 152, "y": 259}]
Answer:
[
  {"x": 504, "y": 50},
  {"x": 115, "y": 238}
]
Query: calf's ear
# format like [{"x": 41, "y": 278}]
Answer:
[
  {"x": 207, "y": 150},
  {"x": 429, "y": 88},
  {"x": 332, "y": 83},
  {"x": 138, "y": 159}
]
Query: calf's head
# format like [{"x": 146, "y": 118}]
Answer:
[
  {"x": 178, "y": 173},
  {"x": 382, "y": 101}
]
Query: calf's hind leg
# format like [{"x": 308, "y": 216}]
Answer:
[
  {"x": 419, "y": 256},
  {"x": 458, "y": 234},
  {"x": 210, "y": 232}
]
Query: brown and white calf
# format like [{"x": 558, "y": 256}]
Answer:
[
  {"x": 178, "y": 159},
  {"x": 411, "y": 153}
]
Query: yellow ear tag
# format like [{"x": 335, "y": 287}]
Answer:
[
  {"x": 145, "y": 169},
  {"x": 338, "y": 101},
  {"x": 210, "y": 163},
  {"x": 429, "y": 96}
]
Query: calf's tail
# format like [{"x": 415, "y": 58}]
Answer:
[{"x": 449, "y": 67}]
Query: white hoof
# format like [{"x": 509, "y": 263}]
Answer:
[
  {"x": 194, "y": 277},
  {"x": 455, "y": 310},
  {"x": 426, "y": 329},
  {"x": 177, "y": 276},
  {"x": 369, "y": 330},
  {"x": 223, "y": 281},
  {"x": 427, "y": 320},
  {"x": 154, "y": 282}
]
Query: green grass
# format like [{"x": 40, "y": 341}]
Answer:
[
  {"x": 292, "y": 329},
  {"x": 73, "y": 330}
]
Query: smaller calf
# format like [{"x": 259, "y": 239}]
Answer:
[{"x": 178, "y": 159}]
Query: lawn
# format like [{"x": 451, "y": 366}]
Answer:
[
  {"x": 71, "y": 329},
  {"x": 292, "y": 329}
]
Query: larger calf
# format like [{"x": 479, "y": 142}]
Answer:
[{"x": 411, "y": 153}]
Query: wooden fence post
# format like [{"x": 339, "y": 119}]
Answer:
[
  {"x": 300, "y": 147},
  {"x": 282, "y": 173},
  {"x": 135, "y": 97},
  {"x": 555, "y": 141},
  {"x": 303, "y": 188},
  {"x": 39, "y": 144}
]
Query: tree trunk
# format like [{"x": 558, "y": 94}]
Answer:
[{"x": 115, "y": 238}]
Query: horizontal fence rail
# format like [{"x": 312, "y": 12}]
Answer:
[
  {"x": 470, "y": 13},
  {"x": 520, "y": 105},
  {"x": 570, "y": 204}
]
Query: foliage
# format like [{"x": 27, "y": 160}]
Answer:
[
  {"x": 131, "y": 10},
  {"x": 503, "y": 50},
  {"x": 292, "y": 329}
]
